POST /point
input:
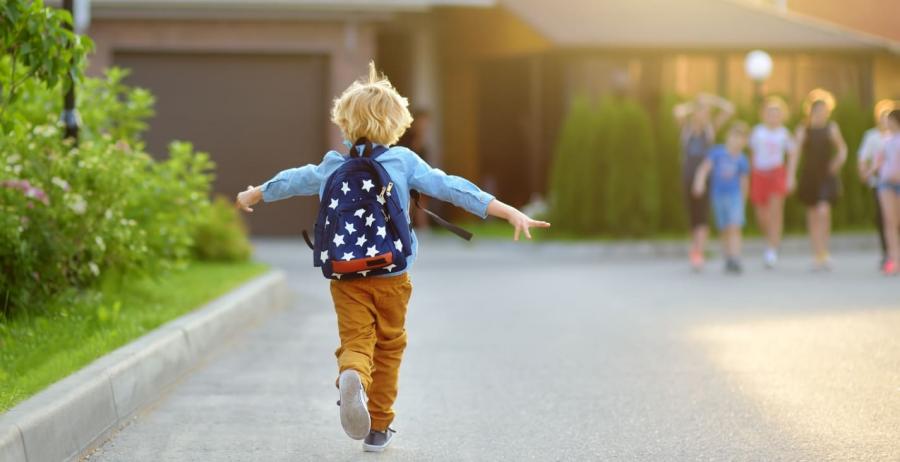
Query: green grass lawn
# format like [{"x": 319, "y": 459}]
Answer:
[{"x": 38, "y": 350}]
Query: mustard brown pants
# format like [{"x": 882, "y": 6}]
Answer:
[{"x": 371, "y": 315}]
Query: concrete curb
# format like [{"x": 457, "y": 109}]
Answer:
[{"x": 64, "y": 420}]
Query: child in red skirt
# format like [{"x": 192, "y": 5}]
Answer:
[{"x": 771, "y": 143}]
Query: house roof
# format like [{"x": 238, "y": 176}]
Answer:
[
  {"x": 264, "y": 8},
  {"x": 667, "y": 24}
]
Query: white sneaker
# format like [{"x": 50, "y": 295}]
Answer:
[
  {"x": 770, "y": 258},
  {"x": 354, "y": 413},
  {"x": 378, "y": 441}
]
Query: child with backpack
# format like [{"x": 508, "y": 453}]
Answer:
[
  {"x": 729, "y": 169},
  {"x": 365, "y": 245}
]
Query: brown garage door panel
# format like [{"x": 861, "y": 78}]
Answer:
[{"x": 256, "y": 114}]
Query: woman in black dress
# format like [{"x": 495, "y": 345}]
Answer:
[{"x": 822, "y": 155}]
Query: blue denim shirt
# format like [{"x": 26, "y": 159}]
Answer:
[{"x": 407, "y": 171}]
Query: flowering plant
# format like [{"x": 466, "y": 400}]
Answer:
[{"x": 70, "y": 215}]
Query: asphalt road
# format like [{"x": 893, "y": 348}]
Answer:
[{"x": 554, "y": 353}]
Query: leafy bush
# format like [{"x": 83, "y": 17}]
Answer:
[
  {"x": 221, "y": 235},
  {"x": 69, "y": 214}
]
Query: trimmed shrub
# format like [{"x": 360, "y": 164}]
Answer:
[
  {"x": 604, "y": 178},
  {"x": 668, "y": 161},
  {"x": 221, "y": 235},
  {"x": 855, "y": 206},
  {"x": 568, "y": 179},
  {"x": 631, "y": 181}
]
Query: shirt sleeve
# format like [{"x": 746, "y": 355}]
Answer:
[
  {"x": 868, "y": 147},
  {"x": 744, "y": 166},
  {"x": 456, "y": 190},
  {"x": 300, "y": 181}
]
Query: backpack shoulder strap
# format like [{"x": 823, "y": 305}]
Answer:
[{"x": 459, "y": 231}]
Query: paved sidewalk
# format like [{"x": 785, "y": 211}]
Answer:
[{"x": 541, "y": 353}]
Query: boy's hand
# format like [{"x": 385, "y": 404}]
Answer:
[
  {"x": 791, "y": 184},
  {"x": 248, "y": 198},
  {"x": 523, "y": 223},
  {"x": 517, "y": 219}
]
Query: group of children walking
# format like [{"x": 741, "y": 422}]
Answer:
[{"x": 775, "y": 170}]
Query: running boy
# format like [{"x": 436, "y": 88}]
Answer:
[
  {"x": 770, "y": 143},
  {"x": 371, "y": 311},
  {"x": 729, "y": 169}
]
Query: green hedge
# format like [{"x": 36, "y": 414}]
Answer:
[
  {"x": 605, "y": 178},
  {"x": 617, "y": 171}
]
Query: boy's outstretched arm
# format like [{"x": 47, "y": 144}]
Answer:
[
  {"x": 519, "y": 221},
  {"x": 462, "y": 193},
  {"x": 300, "y": 181}
]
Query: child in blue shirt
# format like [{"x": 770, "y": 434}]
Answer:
[
  {"x": 371, "y": 311},
  {"x": 729, "y": 168}
]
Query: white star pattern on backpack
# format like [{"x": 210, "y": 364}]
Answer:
[
  {"x": 371, "y": 251},
  {"x": 345, "y": 188},
  {"x": 338, "y": 240},
  {"x": 367, "y": 185}
]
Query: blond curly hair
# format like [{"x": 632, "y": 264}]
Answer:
[{"x": 372, "y": 108}]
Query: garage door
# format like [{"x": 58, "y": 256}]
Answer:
[{"x": 256, "y": 114}]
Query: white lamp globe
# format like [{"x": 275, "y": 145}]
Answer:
[{"x": 758, "y": 65}]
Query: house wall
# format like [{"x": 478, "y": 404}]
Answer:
[
  {"x": 467, "y": 37},
  {"x": 348, "y": 46},
  {"x": 887, "y": 77}
]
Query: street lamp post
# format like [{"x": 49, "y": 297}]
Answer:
[
  {"x": 69, "y": 116},
  {"x": 79, "y": 10},
  {"x": 758, "y": 66}
]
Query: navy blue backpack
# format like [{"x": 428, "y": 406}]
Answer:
[{"x": 362, "y": 229}]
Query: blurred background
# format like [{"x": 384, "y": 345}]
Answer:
[{"x": 251, "y": 82}]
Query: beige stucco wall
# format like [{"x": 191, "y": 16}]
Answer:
[
  {"x": 887, "y": 77},
  {"x": 348, "y": 45}
]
